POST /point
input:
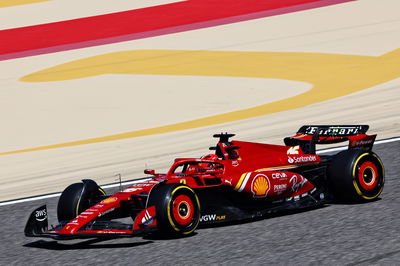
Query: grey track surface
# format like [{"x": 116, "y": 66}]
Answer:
[{"x": 359, "y": 234}]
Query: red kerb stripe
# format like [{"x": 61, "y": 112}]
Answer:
[{"x": 141, "y": 23}]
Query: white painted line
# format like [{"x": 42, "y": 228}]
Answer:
[
  {"x": 387, "y": 140},
  {"x": 11, "y": 202},
  {"x": 342, "y": 148},
  {"x": 4, "y": 203},
  {"x": 54, "y": 195}
]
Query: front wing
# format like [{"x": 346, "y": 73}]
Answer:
[{"x": 37, "y": 226}]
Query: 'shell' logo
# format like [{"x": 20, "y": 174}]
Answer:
[{"x": 260, "y": 186}]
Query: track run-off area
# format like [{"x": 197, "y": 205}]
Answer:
[
  {"x": 134, "y": 84},
  {"x": 96, "y": 110}
]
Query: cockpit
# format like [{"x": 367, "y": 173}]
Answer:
[
  {"x": 203, "y": 172},
  {"x": 197, "y": 167}
]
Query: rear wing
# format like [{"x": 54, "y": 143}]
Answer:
[{"x": 308, "y": 136}]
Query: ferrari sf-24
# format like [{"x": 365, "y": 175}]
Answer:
[{"x": 238, "y": 181}]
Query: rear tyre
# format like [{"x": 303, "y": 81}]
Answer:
[
  {"x": 76, "y": 198},
  {"x": 356, "y": 175},
  {"x": 177, "y": 209}
]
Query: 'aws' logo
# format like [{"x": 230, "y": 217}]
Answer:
[{"x": 41, "y": 215}]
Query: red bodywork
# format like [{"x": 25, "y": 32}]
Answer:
[{"x": 260, "y": 172}]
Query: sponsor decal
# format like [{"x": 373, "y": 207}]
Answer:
[
  {"x": 365, "y": 142},
  {"x": 228, "y": 181},
  {"x": 41, "y": 215},
  {"x": 297, "y": 182},
  {"x": 295, "y": 185},
  {"x": 280, "y": 188},
  {"x": 302, "y": 159},
  {"x": 235, "y": 163},
  {"x": 334, "y": 131},
  {"x": 109, "y": 200},
  {"x": 142, "y": 185},
  {"x": 260, "y": 186},
  {"x": 212, "y": 217},
  {"x": 87, "y": 212},
  {"x": 106, "y": 232},
  {"x": 131, "y": 189},
  {"x": 74, "y": 221},
  {"x": 99, "y": 205},
  {"x": 147, "y": 219},
  {"x": 293, "y": 150},
  {"x": 279, "y": 176},
  {"x": 105, "y": 212}
]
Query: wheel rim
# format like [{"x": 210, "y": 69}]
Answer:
[
  {"x": 183, "y": 210},
  {"x": 368, "y": 175}
]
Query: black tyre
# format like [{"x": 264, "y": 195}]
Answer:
[
  {"x": 177, "y": 209},
  {"x": 75, "y": 199},
  {"x": 356, "y": 175}
]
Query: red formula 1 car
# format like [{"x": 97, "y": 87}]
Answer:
[{"x": 241, "y": 180}]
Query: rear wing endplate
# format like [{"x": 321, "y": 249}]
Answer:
[{"x": 309, "y": 135}]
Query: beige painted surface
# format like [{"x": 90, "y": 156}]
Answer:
[{"x": 361, "y": 30}]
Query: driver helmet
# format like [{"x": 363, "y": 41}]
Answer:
[{"x": 209, "y": 157}]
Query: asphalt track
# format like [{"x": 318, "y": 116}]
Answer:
[{"x": 355, "y": 234}]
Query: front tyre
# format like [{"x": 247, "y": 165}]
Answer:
[
  {"x": 356, "y": 175},
  {"x": 177, "y": 209},
  {"x": 76, "y": 198}
]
